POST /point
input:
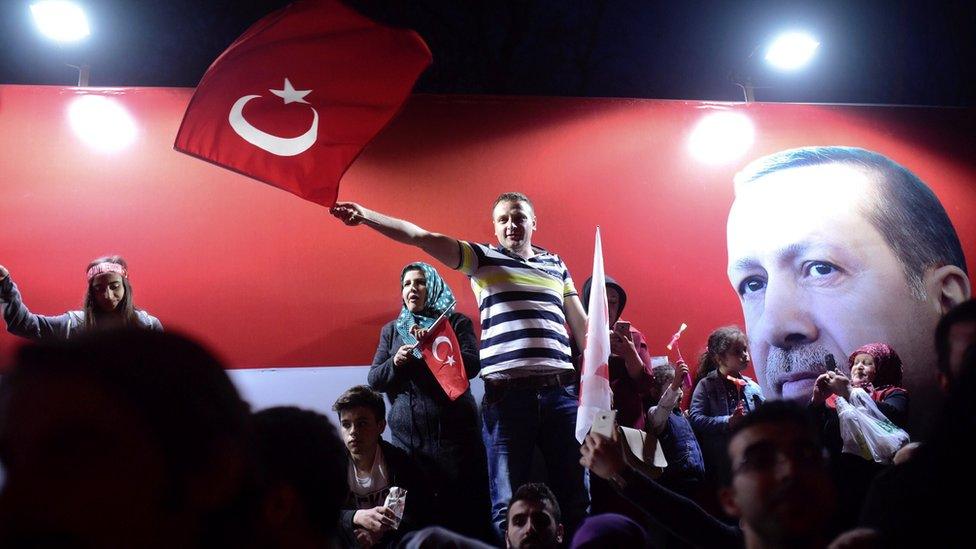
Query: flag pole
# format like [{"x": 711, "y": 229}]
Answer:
[{"x": 436, "y": 322}]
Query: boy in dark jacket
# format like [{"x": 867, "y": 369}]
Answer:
[{"x": 376, "y": 468}]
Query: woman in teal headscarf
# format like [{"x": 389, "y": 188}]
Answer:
[{"x": 443, "y": 435}]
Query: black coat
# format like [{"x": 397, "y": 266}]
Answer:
[
  {"x": 403, "y": 472},
  {"x": 444, "y": 436},
  {"x": 421, "y": 415}
]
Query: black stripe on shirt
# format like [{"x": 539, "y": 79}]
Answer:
[
  {"x": 536, "y": 333},
  {"x": 521, "y": 315}
]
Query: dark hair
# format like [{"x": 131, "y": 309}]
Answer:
[
  {"x": 512, "y": 197},
  {"x": 411, "y": 267},
  {"x": 536, "y": 492},
  {"x": 964, "y": 312},
  {"x": 301, "y": 448},
  {"x": 177, "y": 388},
  {"x": 907, "y": 214},
  {"x": 719, "y": 341},
  {"x": 664, "y": 374},
  {"x": 773, "y": 411},
  {"x": 778, "y": 411},
  {"x": 126, "y": 308},
  {"x": 361, "y": 396}
]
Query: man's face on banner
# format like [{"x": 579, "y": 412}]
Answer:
[{"x": 815, "y": 278}]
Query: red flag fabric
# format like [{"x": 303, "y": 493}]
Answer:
[
  {"x": 297, "y": 97},
  {"x": 443, "y": 356},
  {"x": 738, "y": 382}
]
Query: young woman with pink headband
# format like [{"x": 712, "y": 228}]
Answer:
[{"x": 108, "y": 304}]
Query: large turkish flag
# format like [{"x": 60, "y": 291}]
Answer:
[{"x": 297, "y": 97}]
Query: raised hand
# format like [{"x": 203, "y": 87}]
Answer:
[
  {"x": 349, "y": 213},
  {"x": 604, "y": 456},
  {"x": 680, "y": 375}
]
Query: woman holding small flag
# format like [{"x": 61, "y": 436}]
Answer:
[{"x": 433, "y": 415}]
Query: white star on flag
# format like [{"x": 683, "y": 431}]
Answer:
[
  {"x": 450, "y": 360},
  {"x": 290, "y": 94}
]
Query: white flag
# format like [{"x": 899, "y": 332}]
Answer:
[{"x": 595, "y": 392}]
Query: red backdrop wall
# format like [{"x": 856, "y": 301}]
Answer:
[{"x": 269, "y": 280}]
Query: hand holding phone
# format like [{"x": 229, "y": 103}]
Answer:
[
  {"x": 604, "y": 423},
  {"x": 622, "y": 327}
]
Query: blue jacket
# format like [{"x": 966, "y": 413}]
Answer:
[
  {"x": 685, "y": 462},
  {"x": 710, "y": 410}
]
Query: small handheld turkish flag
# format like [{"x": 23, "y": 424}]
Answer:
[
  {"x": 297, "y": 97},
  {"x": 443, "y": 356}
]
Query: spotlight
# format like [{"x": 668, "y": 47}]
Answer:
[
  {"x": 791, "y": 50},
  {"x": 60, "y": 20},
  {"x": 102, "y": 123},
  {"x": 721, "y": 137}
]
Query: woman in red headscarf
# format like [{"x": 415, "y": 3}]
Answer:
[{"x": 877, "y": 369}]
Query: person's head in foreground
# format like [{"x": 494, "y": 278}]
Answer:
[
  {"x": 533, "y": 518},
  {"x": 833, "y": 247},
  {"x": 778, "y": 487},
  {"x": 609, "y": 530},
  {"x": 955, "y": 334},
  {"x": 303, "y": 470},
  {"x": 123, "y": 439}
]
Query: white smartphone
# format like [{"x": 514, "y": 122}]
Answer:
[{"x": 604, "y": 423}]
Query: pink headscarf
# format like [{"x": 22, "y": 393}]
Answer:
[{"x": 887, "y": 364}]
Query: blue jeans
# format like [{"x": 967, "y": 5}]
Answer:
[{"x": 515, "y": 422}]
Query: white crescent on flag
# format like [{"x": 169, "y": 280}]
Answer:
[
  {"x": 450, "y": 355},
  {"x": 280, "y": 146}
]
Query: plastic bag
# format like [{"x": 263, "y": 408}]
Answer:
[
  {"x": 866, "y": 431},
  {"x": 396, "y": 501}
]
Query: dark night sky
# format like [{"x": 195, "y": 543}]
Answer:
[{"x": 888, "y": 52}]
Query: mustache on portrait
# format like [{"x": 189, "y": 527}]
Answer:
[{"x": 797, "y": 362}]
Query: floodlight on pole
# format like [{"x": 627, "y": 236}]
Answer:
[
  {"x": 60, "y": 20},
  {"x": 791, "y": 51},
  {"x": 788, "y": 52}
]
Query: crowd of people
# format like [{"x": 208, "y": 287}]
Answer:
[
  {"x": 133, "y": 437},
  {"x": 112, "y": 435}
]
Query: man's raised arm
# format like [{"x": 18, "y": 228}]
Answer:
[{"x": 441, "y": 247}]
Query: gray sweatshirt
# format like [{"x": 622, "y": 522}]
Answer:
[{"x": 21, "y": 322}]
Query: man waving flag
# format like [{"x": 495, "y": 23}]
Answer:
[
  {"x": 595, "y": 394},
  {"x": 297, "y": 97}
]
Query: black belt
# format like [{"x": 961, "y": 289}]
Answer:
[{"x": 543, "y": 381}]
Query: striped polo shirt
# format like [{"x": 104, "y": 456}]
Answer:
[{"x": 523, "y": 321}]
